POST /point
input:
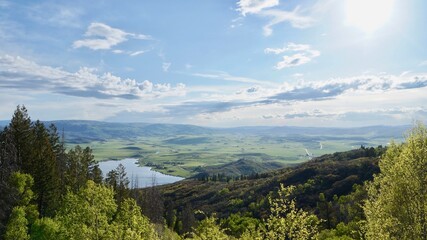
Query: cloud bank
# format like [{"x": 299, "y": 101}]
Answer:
[
  {"x": 298, "y": 99},
  {"x": 20, "y": 73}
]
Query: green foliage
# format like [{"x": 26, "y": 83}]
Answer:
[
  {"x": 131, "y": 224},
  {"x": 92, "y": 213},
  {"x": 25, "y": 213},
  {"x": 46, "y": 229},
  {"x": 351, "y": 205},
  {"x": 224, "y": 191},
  {"x": 208, "y": 229},
  {"x": 236, "y": 224},
  {"x": 87, "y": 214},
  {"x": 342, "y": 232},
  {"x": 17, "y": 228},
  {"x": 397, "y": 198},
  {"x": 23, "y": 183},
  {"x": 286, "y": 221}
]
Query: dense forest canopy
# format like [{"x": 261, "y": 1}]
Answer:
[{"x": 49, "y": 192}]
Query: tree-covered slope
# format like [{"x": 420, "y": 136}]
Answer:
[
  {"x": 333, "y": 174},
  {"x": 245, "y": 167}
]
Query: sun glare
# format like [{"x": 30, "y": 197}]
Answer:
[{"x": 368, "y": 15}]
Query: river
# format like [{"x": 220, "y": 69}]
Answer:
[{"x": 145, "y": 175}]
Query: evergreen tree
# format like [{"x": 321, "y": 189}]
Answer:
[
  {"x": 153, "y": 204},
  {"x": 21, "y": 135},
  {"x": 80, "y": 167},
  {"x": 118, "y": 180},
  {"x": 8, "y": 165},
  {"x": 45, "y": 171},
  {"x": 58, "y": 146},
  {"x": 187, "y": 217}
]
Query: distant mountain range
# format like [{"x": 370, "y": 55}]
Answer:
[{"x": 81, "y": 131}]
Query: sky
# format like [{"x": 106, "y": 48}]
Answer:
[{"x": 217, "y": 63}]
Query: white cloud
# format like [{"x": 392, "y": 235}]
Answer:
[
  {"x": 306, "y": 103},
  {"x": 361, "y": 108},
  {"x": 295, "y": 18},
  {"x": 136, "y": 53},
  {"x": 255, "y": 6},
  {"x": 423, "y": 63},
  {"x": 266, "y": 8},
  {"x": 227, "y": 77},
  {"x": 117, "y": 51},
  {"x": 304, "y": 54},
  {"x": 100, "y": 36},
  {"x": 130, "y": 53},
  {"x": 166, "y": 66},
  {"x": 20, "y": 73},
  {"x": 289, "y": 47}
]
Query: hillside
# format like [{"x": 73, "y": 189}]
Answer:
[
  {"x": 333, "y": 174},
  {"x": 237, "y": 168}
]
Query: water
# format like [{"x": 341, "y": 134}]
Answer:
[{"x": 146, "y": 177}]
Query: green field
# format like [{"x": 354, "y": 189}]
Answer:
[{"x": 180, "y": 155}]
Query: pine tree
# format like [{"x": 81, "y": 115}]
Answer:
[
  {"x": 44, "y": 170},
  {"x": 8, "y": 165},
  {"x": 118, "y": 180},
  {"x": 80, "y": 167},
  {"x": 58, "y": 146},
  {"x": 21, "y": 134}
]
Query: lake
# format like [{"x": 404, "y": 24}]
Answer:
[{"x": 145, "y": 175}]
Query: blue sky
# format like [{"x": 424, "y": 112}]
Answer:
[{"x": 216, "y": 63}]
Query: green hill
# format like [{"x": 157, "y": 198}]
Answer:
[
  {"x": 237, "y": 168},
  {"x": 332, "y": 174}
]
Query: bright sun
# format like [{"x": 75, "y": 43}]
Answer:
[{"x": 368, "y": 15}]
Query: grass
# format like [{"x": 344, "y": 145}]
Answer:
[{"x": 180, "y": 155}]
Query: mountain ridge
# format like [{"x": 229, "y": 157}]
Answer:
[{"x": 89, "y": 130}]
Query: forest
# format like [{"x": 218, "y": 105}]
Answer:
[{"x": 49, "y": 191}]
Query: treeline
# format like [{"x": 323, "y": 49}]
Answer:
[
  {"x": 32, "y": 148},
  {"x": 47, "y": 192}
]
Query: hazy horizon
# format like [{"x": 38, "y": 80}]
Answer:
[
  {"x": 2, "y": 121},
  {"x": 307, "y": 63}
]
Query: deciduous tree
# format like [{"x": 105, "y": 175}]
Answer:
[{"x": 397, "y": 198}]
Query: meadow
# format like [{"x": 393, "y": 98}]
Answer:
[{"x": 182, "y": 155}]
